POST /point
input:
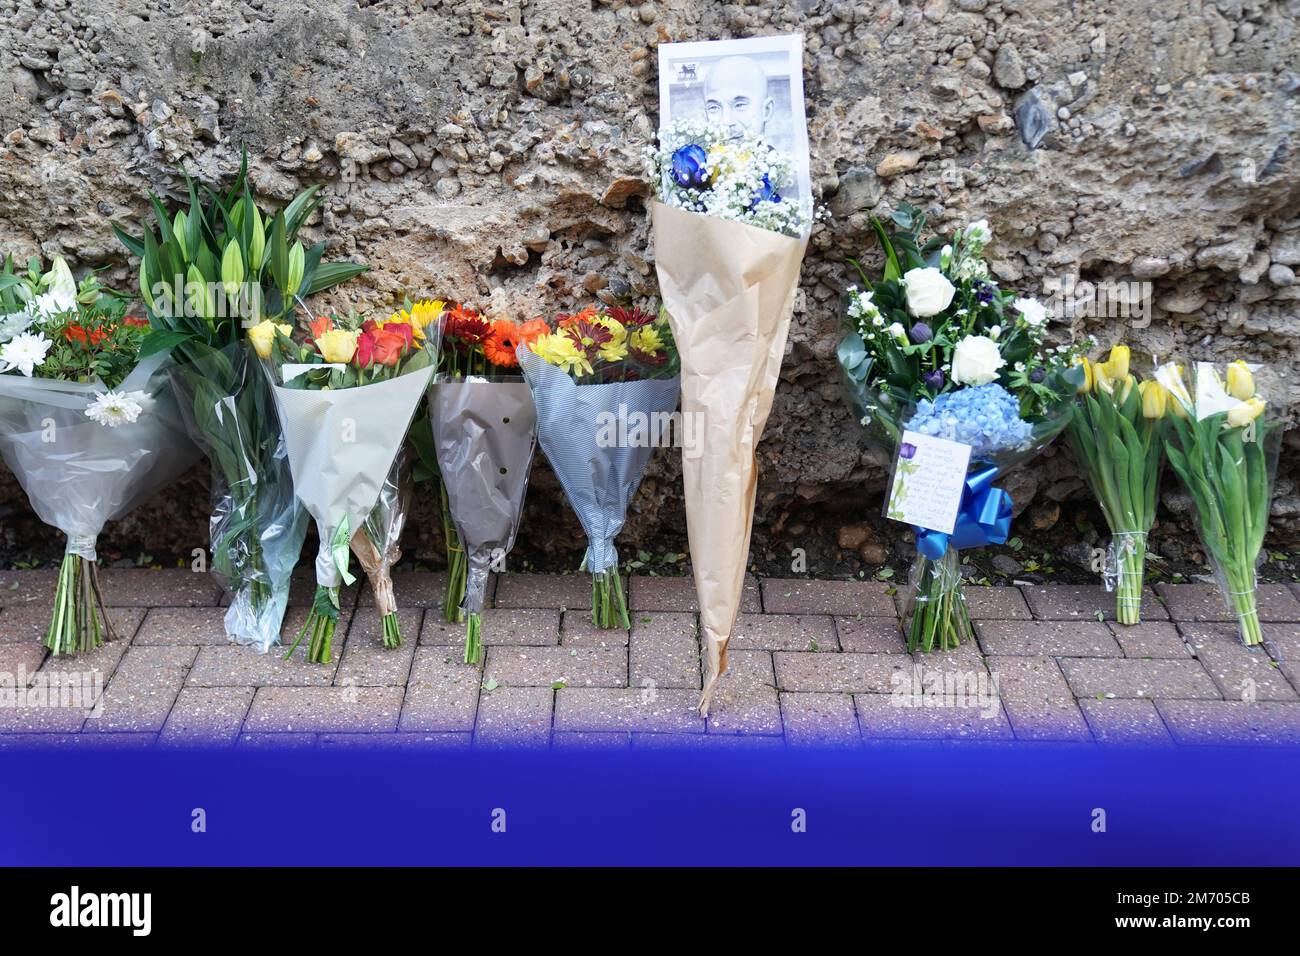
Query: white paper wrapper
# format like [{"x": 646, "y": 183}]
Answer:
[
  {"x": 342, "y": 444},
  {"x": 79, "y": 474}
]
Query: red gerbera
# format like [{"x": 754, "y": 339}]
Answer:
[
  {"x": 467, "y": 325},
  {"x": 588, "y": 336}
]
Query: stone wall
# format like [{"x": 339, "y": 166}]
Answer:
[{"x": 489, "y": 151}]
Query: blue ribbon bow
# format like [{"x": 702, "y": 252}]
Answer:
[{"x": 984, "y": 517}]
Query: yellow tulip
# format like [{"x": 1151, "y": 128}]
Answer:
[
  {"x": 337, "y": 345},
  {"x": 1246, "y": 412},
  {"x": 1130, "y": 382},
  {"x": 262, "y": 336},
  {"x": 1088, "y": 378},
  {"x": 1117, "y": 364},
  {"x": 1155, "y": 399},
  {"x": 1241, "y": 384}
]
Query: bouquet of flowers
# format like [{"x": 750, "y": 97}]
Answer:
[
  {"x": 729, "y": 239},
  {"x": 708, "y": 169},
  {"x": 604, "y": 384},
  {"x": 484, "y": 433},
  {"x": 1117, "y": 432},
  {"x": 349, "y": 391},
  {"x": 935, "y": 347},
  {"x": 218, "y": 267},
  {"x": 1224, "y": 445},
  {"x": 88, "y": 427}
]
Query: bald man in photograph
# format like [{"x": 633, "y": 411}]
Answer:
[{"x": 735, "y": 96}]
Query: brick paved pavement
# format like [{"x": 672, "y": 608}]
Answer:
[{"x": 812, "y": 663}]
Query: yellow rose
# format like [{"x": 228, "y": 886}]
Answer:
[
  {"x": 337, "y": 345},
  {"x": 1155, "y": 399},
  {"x": 1241, "y": 384},
  {"x": 262, "y": 336},
  {"x": 1247, "y": 411}
]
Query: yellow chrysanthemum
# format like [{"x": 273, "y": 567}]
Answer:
[
  {"x": 560, "y": 350},
  {"x": 614, "y": 350},
  {"x": 422, "y": 314},
  {"x": 647, "y": 339}
]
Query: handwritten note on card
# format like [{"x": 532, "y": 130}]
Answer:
[{"x": 929, "y": 478}]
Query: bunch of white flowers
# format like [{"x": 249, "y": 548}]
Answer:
[
  {"x": 864, "y": 312},
  {"x": 735, "y": 179}
]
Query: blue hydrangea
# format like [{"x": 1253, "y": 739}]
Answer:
[{"x": 986, "y": 417}]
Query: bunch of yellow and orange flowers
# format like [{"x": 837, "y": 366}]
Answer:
[{"x": 614, "y": 344}]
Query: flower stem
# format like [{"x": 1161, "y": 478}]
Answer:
[
  {"x": 392, "y": 631},
  {"x": 473, "y": 638}
]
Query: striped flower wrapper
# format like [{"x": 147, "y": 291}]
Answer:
[
  {"x": 598, "y": 438},
  {"x": 484, "y": 434}
]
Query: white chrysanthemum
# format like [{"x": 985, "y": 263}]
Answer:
[
  {"x": 117, "y": 408},
  {"x": 24, "y": 352},
  {"x": 15, "y": 323}
]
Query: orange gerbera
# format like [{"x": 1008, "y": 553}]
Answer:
[{"x": 499, "y": 347}]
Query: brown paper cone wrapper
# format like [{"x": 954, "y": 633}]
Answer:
[
  {"x": 378, "y": 569},
  {"x": 729, "y": 290}
]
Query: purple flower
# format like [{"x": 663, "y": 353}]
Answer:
[
  {"x": 906, "y": 450},
  {"x": 983, "y": 291},
  {"x": 933, "y": 380},
  {"x": 690, "y": 166},
  {"x": 919, "y": 333},
  {"x": 1037, "y": 375}
]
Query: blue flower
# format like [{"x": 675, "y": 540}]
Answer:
[
  {"x": 906, "y": 450},
  {"x": 920, "y": 333},
  {"x": 983, "y": 291},
  {"x": 766, "y": 192},
  {"x": 690, "y": 167},
  {"x": 986, "y": 417},
  {"x": 933, "y": 380}
]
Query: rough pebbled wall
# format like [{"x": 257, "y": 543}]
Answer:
[{"x": 489, "y": 151}]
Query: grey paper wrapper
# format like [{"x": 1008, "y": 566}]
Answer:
[
  {"x": 729, "y": 289},
  {"x": 484, "y": 434},
  {"x": 342, "y": 444},
  {"x": 598, "y": 479}
]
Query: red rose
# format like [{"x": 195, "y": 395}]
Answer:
[{"x": 365, "y": 350}]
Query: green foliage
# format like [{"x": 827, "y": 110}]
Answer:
[{"x": 221, "y": 264}]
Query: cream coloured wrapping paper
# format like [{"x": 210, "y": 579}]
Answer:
[
  {"x": 729, "y": 289},
  {"x": 342, "y": 444}
]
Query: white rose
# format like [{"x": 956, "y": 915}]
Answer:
[
  {"x": 979, "y": 231},
  {"x": 976, "y": 361},
  {"x": 928, "y": 292},
  {"x": 1033, "y": 311}
]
